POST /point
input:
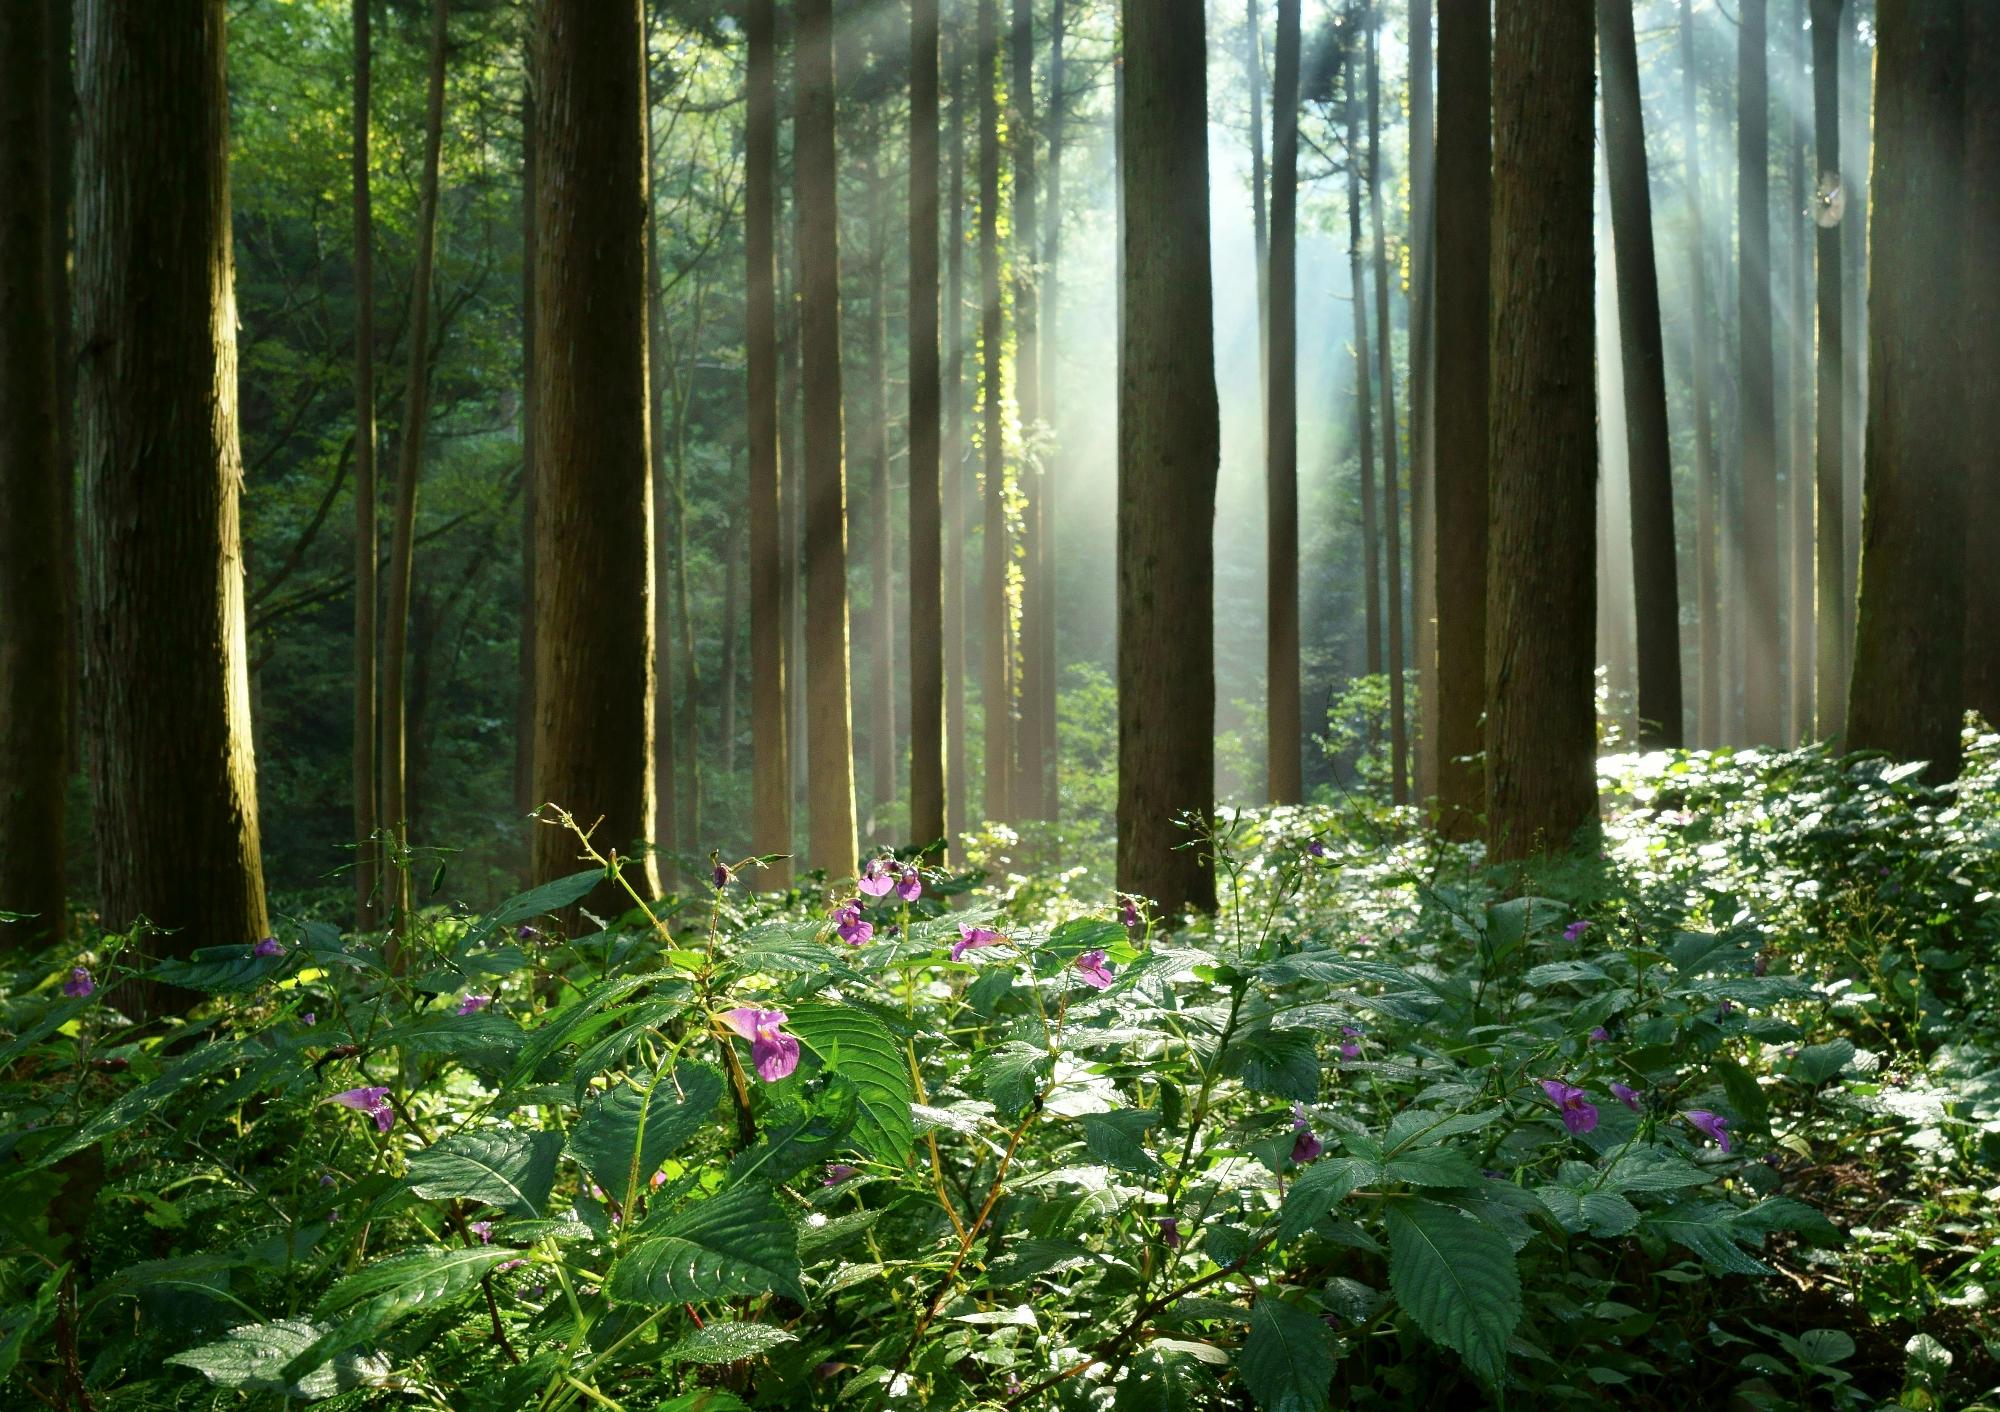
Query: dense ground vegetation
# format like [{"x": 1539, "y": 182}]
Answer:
[{"x": 1710, "y": 1122}]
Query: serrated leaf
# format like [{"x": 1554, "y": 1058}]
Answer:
[
  {"x": 1817, "y": 1063},
  {"x": 512, "y": 1170},
  {"x": 859, "y": 1047},
  {"x": 1601, "y": 1213},
  {"x": 1456, "y": 1277},
  {"x": 482, "y": 1031},
  {"x": 1708, "y": 1228},
  {"x": 1564, "y": 973},
  {"x": 1280, "y": 1062},
  {"x": 801, "y": 1136},
  {"x": 569, "y": 1023},
  {"x": 1420, "y": 1127},
  {"x": 535, "y": 902},
  {"x": 1158, "y": 1381},
  {"x": 147, "y": 1098},
  {"x": 219, "y": 970},
  {"x": 736, "y": 1242},
  {"x": 1287, "y": 1362},
  {"x": 635, "y": 1023},
  {"x": 1320, "y": 1187},
  {"x": 1332, "y": 968},
  {"x": 1118, "y": 1138},
  {"x": 628, "y": 1131},
  {"x": 1644, "y": 1169},
  {"x": 378, "y": 1295},
  {"x": 727, "y": 1343},
  {"x": 1013, "y": 1075},
  {"x": 253, "y": 1358},
  {"x": 1431, "y": 1166}
]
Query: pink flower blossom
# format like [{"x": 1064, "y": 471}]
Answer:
[
  {"x": 878, "y": 875},
  {"x": 372, "y": 1101},
  {"x": 851, "y": 926},
  {"x": 1575, "y": 930},
  {"x": 909, "y": 884},
  {"x": 473, "y": 1004},
  {"x": 79, "y": 984},
  {"x": 971, "y": 938},
  {"x": 773, "y": 1052},
  {"x": 269, "y": 946},
  {"x": 1626, "y": 1095},
  {"x": 1092, "y": 967},
  {"x": 1579, "y": 1114},
  {"x": 838, "y": 1172},
  {"x": 1714, "y": 1125}
]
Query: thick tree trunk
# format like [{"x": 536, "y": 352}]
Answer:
[
  {"x": 62, "y": 207},
  {"x": 1052, "y": 481},
  {"x": 1364, "y": 374},
  {"x": 829, "y": 726},
  {"x": 955, "y": 470},
  {"x": 410, "y": 459},
  {"x": 595, "y": 579},
  {"x": 1982, "y": 361},
  {"x": 34, "y": 680},
  {"x": 1857, "y": 147},
  {"x": 1029, "y": 789},
  {"x": 732, "y": 577},
  {"x": 1830, "y": 425},
  {"x": 524, "y": 691},
  {"x": 1909, "y": 635},
  {"x": 1284, "y": 782},
  {"x": 1423, "y": 400},
  {"x": 770, "y": 736},
  {"x": 1169, "y": 446},
  {"x": 927, "y": 695},
  {"x": 1798, "y": 403},
  {"x": 1464, "y": 285},
  {"x": 880, "y": 522},
  {"x": 1763, "y": 643},
  {"x": 1655, "y": 577},
  {"x": 173, "y": 775},
  {"x": 1708, "y": 482},
  {"x": 670, "y": 800},
  {"x": 997, "y": 648},
  {"x": 1541, "y": 783},
  {"x": 367, "y": 856},
  {"x": 1392, "y": 508}
]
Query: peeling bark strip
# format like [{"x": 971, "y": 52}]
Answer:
[
  {"x": 168, "y": 687},
  {"x": 594, "y": 671}
]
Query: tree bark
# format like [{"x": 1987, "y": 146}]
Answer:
[
  {"x": 1763, "y": 643},
  {"x": 829, "y": 727},
  {"x": 1364, "y": 373},
  {"x": 1029, "y": 790},
  {"x": 1798, "y": 404},
  {"x": 62, "y": 208},
  {"x": 1909, "y": 635},
  {"x": 1857, "y": 84},
  {"x": 1284, "y": 783},
  {"x": 1423, "y": 397},
  {"x": 1045, "y": 583},
  {"x": 928, "y": 708},
  {"x": 410, "y": 459},
  {"x": 34, "y": 679},
  {"x": 524, "y": 695},
  {"x": 955, "y": 473},
  {"x": 1708, "y": 476},
  {"x": 1655, "y": 575},
  {"x": 1392, "y": 509},
  {"x": 880, "y": 520},
  {"x": 1830, "y": 425},
  {"x": 732, "y": 576},
  {"x": 996, "y": 685},
  {"x": 173, "y": 773},
  {"x": 1253, "y": 72},
  {"x": 595, "y": 586},
  {"x": 366, "y": 855},
  {"x": 1464, "y": 286},
  {"x": 1541, "y": 783},
  {"x": 1982, "y": 360},
  {"x": 1169, "y": 447}
]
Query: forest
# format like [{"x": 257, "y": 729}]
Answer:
[{"x": 976, "y": 704}]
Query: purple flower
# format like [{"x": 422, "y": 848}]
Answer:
[
  {"x": 326, "y": 1179},
  {"x": 909, "y": 884},
  {"x": 849, "y": 924},
  {"x": 1317, "y": 849},
  {"x": 1092, "y": 967},
  {"x": 269, "y": 946},
  {"x": 971, "y": 938},
  {"x": 1579, "y": 1114},
  {"x": 524, "y": 932},
  {"x": 1600, "y": 1035},
  {"x": 309, "y": 1018},
  {"x": 1714, "y": 1125},
  {"x": 1305, "y": 1147},
  {"x": 774, "y": 1053},
  {"x": 79, "y": 984},
  {"x": 1575, "y": 930},
  {"x": 877, "y": 877},
  {"x": 1626, "y": 1095},
  {"x": 473, "y": 1004},
  {"x": 722, "y": 876},
  {"x": 838, "y": 1172},
  {"x": 660, "y": 1177},
  {"x": 1350, "y": 1047},
  {"x": 372, "y": 1101},
  {"x": 505, "y": 1265},
  {"x": 1722, "y": 1010},
  {"x": 1129, "y": 913},
  {"x": 1170, "y": 1229},
  {"x": 484, "y": 1230}
]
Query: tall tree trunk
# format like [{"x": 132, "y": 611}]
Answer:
[
  {"x": 770, "y": 736},
  {"x": 1253, "y": 72},
  {"x": 1364, "y": 374},
  {"x": 524, "y": 692},
  {"x": 1169, "y": 447},
  {"x": 1423, "y": 399},
  {"x": 1045, "y": 584},
  {"x": 955, "y": 467},
  {"x": 1829, "y": 553},
  {"x": 880, "y": 520},
  {"x": 367, "y": 855},
  {"x": 1909, "y": 633},
  {"x": 1283, "y": 773},
  {"x": 688, "y": 718},
  {"x": 996, "y": 687},
  {"x": 410, "y": 459},
  {"x": 62, "y": 208},
  {"x": 1030, "y": 788},
  {"x": 1857, "y": 83},
  {"x": 732, "y": 576},
  {"x": 1762, "y": 656},
  {"x": 1392, "y": 510},
  {"x": 173, "y": 774},
  {"x": 829, "y": 726},
  {"x": 1541, "y": 778},
  {"x": 34, "y": 682},
  {"x": 595, "y": 664},
  {"x": 1464, "y": 285},
  {"x": 1655, "y": 578},
  {"x": 1982, "y": 349},
  {"x": 1798, "y": 404},
  {"x": 1708, "y": 478},
  {"x": 670, "y": 799},
  {"x": 791, "y": 465},
  {"x": 928, "y": 706}
]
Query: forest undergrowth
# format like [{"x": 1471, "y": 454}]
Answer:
[{"x": 1707, "y": 1119}]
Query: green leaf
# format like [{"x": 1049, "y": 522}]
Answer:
[
  {"x": 256, "y": 1358},
  {"x": 1745, "y": 1095},
  {"x": 30, "y": 1318},
  {"x": 1708, "y": 1228},
  {"x": 1647, "y": 1169},
  {"x": 801, "y": 1136},
  {"x": 483, "y": 1031},
  {"x": 1119, "y": 1138},
  {"x": 378, "y": 1295},
  {"x": 1321, "y": 1187},
  {"x": 635, "y": 1023},
  {"x": 705, "y": 1399},
  {"x": 1287, "y": 1362},
  {"x": 1785, "y": 1213},
  {"x": 536, "y": 902},
  {"x": 1331, "y": 968},
  {"x": 860, "y": 1047},
  {"x": 1281, "y": 1062},
  {"x": 219, "y": 970},
  {"x": 1602, "y": 1213},
  {"x": 1457, "y": 1279},
  {"x": 727, "y": 1343},
  {"x": 569, "y": 1023},
  {"x": 737, "y": 1242},
  {"x": 1432, "y": 1166},
  {"x": 1013, "y": 1075},
  {"x": 627, "y": 1132},
  {"x": 512, "y": 1170},
  {"x": 1817, "y": 1063},
  {"x": 1159, "y": 1381},
  {"x": 147, "y": 1098},
  {"x": 1564, "y": 973}
]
